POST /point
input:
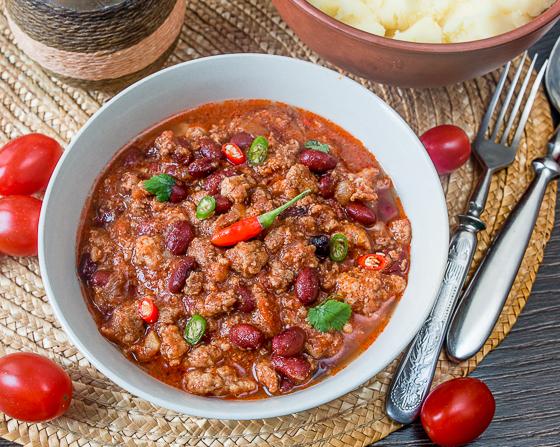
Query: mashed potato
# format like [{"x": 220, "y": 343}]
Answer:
[{"x": 434, "y": 21}]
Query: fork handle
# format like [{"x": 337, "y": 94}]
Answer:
[
  {"x": 414, "y": 375},
  {"x": 482, "y": 302}
]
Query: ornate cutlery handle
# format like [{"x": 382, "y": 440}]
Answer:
[
  {"x": 414, "y": 375},
  {"x": 482, "y": 302}
]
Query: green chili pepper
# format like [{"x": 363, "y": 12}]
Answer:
[
  {"x": 195, "y": 329},
  {"x": 205, "y": 207},
  {"x": 258, "y": 152},
  {"x": 338, "y": 247}
]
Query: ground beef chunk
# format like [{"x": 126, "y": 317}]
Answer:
[
  {"x": 237, "y": 188},
  {"x": 322, "y": 345},
  {"x": 148, "y": 252},
  {"x": 173, "y": 345},
  {"x": 298, "y": 254},
  {"x": 266, "y": 374},
  {"x": 171, "y": 310},
  {"x": 214, "y": 264},
  {"x": 215, "y": 303},
  {"x": 267, "y": 314},
  {"x": 148, "y": 348},
  {"x": 357, "y": 236},
  {"x": 247, "y": 258},
  {"x": 101, "y": 245},
  {"x": 194, "y": 283},
  {"x": 280, "y": 157},
  {"x": 325, "y": 217},
  {"x": 277, "y": 237},
  {"x": 298, "y": 179},
  {"x": 357, "y": 187},
  {"x": 167, "y": 145},
  {"x": 401, "y": 231},
  {"x": 204, "y": 356},
  {"x": 220, "y": 381},
  {"x": 367, "y": 290},
  {"x": 125, "y": 325}
]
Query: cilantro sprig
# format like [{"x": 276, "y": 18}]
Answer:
[
  {"x": 329, "y": 315},
  {"x": 317, "y": 146},
  {"x": 160, "y": 186}
]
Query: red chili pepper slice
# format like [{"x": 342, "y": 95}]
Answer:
[
  {"x": 251, "y": 227},
  {"x": 233, "y": 153},
  {"x": 374, "y": 261},
  {"x": 148, "y": 310}
]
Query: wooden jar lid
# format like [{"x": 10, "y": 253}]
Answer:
[{"x": 97, "y": 40}]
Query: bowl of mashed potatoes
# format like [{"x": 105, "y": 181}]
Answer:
[{"x": 419, "y": 43}]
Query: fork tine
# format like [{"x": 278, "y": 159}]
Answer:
[
  {"x": 507, "y": 101},
  {"x": 528, "y": 106},
  {"x": 518, "y": 101},
  {"x": 492, "y": 106}
]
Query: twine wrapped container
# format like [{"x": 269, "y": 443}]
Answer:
[{"x": 97, "y": 42}]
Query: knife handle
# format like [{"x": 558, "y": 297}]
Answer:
[
  {"x": 482, "y": 302},
  {"x": 414, "y": 375}
]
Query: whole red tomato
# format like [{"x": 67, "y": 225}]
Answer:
[
  {"x": 27, "y": 163},
  {"x": 33, "y": 388},
  {"x": 448, "y": 146},
  {"x": 457, "y": 412},
  {"x": 19, "y": 222}
]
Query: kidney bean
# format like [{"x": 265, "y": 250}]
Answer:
[
  {"x": 210, "y": 149},
  {"x": 242, "y": 139},
  {"x": 361, "y": 213},
  {"x": 100, "y": 278},
  {"x": 245, "y": 299},
  {"x": 223, "y": 204},
  {"x": 286, "y": 385},
  {"x": 87, "y": 267},
  {"x": 246, "y": 336},
  {"x": 178, "y": 193},
  {"x": 179, "y": 237},
  {"x": 296, "y": 369},
  {"x": 202, "y": 167},
  {"x": 307, "y": 285},
  {"x": 289, "y": 342},
  {"x": 103, "y": 218},
  {"x": 321, "y": 244},
  {"x": 180, "y": 273},
  {"x": 317, "y": 161},
  {"x": 326, "y": 186},
  {"x": 132, "y": 157},
  {"x": 386, "y": 210},
  {"x": 213, "y": 182}
]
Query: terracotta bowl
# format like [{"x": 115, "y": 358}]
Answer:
[{"x": 408, "y": 64}]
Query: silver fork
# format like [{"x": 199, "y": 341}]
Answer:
[{"x": 415, "y": 372}]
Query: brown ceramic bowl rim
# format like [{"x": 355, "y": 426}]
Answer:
[{"x": 542, "y": 20}]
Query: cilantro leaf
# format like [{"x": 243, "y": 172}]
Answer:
[
  {"x": 160, "y": 185},
  {"x": 317, "y": 146},
  {"x": 331, "y": 314}
]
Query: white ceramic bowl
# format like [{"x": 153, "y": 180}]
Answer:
[{"x": 188, "y": 85}]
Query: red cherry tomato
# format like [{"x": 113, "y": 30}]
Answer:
[
  {"x": 27, "y": 163},
  {"x": 148, "y": 310},
  {"x": 448, "y": 146},
  {"x": 457, "y": 412},
  {"x": 33, "y": 388},
  {"x": 19, "y": 221}
]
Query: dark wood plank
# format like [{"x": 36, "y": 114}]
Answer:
[{"x": 524, "y": 371}]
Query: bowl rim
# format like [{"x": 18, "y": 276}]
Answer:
[
  {"x": 282, "y": 408},
  {"x": 548, "y": 16}
]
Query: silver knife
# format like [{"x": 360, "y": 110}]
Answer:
[{"x": 483, "y": 301}]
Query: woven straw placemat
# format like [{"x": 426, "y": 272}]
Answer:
[{"x": 104, "y": 414}]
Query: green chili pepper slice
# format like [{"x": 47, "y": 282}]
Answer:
[
  {"x": 338, "y": 247},
  {"x": 195, "y": 329},
  {"x": 258, "y": 152},
  {"x": 205, "y": 207}
]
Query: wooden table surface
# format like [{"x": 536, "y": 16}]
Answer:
[{"x": 524, "y": 371}]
